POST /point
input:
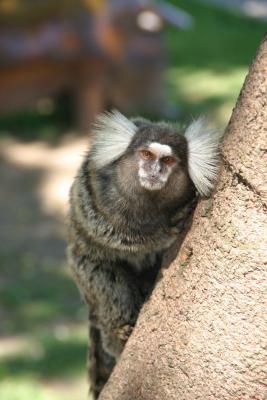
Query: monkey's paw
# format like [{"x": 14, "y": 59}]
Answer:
[{"x": 124, "y": 332}]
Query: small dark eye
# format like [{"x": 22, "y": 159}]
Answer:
[
  {"x": 168, "y": 160},
  {"x": 146, "y": 155}
]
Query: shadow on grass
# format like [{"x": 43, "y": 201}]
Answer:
[
  {"x": 41, "y": 294},
  {"x": 54, "y": 358},
  {"x": 35, "y": 287},
  {"x": 43, "y": 331}
]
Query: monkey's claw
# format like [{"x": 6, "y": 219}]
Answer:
[{"x": 124, "y": 332}]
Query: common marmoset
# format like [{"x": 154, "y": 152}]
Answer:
[{"x": 126, "y": 203}]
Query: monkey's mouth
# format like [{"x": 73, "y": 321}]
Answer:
[{"x": 152, "y": 183}]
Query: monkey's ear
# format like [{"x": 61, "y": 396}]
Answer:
[
  {"x": 203, "y": 155},
  {"x": 113, "y": 133}
]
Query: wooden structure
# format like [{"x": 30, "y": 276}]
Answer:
[{"x": 106, "y": 53}]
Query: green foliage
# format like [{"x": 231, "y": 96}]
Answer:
[
  {"x": 43, "y": 121},
  {"x": 208, "y": 63},
  {"x": 220, "y": 40}
]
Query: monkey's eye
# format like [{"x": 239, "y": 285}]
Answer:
[
  {"x": 146, "y": 155},
  {"x": 168, "y": 160}
]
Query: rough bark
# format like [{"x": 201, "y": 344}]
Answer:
[{"x": 202, "y": 334}]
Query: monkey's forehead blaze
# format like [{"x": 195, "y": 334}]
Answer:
[{"x": 162, "y": 134}]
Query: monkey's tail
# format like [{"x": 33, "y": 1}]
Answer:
[{"x": 99, "y": 363}]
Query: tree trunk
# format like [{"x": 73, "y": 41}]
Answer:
[{"x": 202, "y": 333}]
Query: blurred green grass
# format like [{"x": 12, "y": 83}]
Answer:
[
  {"x": 36, "y": 293},
  {"x": 43, "y": 315},
  {"x": 53, "y": 356},
  {"x": 207, "y": 66},
  {"x": 208, "y": 63},
  {"x": 220, "y": 39}
]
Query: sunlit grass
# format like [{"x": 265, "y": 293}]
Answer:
[
  {"x": 198, "y": 85},
  {"x": 209, "y": 62},
  {"x": 46, "y": 365},
  {"x": 30, "y": 389},
  {"x": 60, "y": 352},
  {"x": 206, "y": 91},
  {"x": 24, "y": 389}
]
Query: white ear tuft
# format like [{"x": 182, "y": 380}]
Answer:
[
  {"x": 203, "y": 155},
  {"x": 113, "y": 134}
]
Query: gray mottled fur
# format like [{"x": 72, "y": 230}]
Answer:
[{"x": 118, "y": 231}]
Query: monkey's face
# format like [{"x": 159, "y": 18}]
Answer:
[
  {"x": 156, "y": 163},
  {"x": 156, "y": 156}
]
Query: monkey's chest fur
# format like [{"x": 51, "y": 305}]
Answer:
[
  {"x": 111, "y": 237},
  {"x": 116, "y": 245},
  {"x": 137, "y": 253}
]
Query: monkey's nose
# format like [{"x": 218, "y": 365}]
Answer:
[{"x": 153, "y": 178}]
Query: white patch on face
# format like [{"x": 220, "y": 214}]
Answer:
[
  {"x": 161, "y": 150},
  {"x": 160, "y": 178}
]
